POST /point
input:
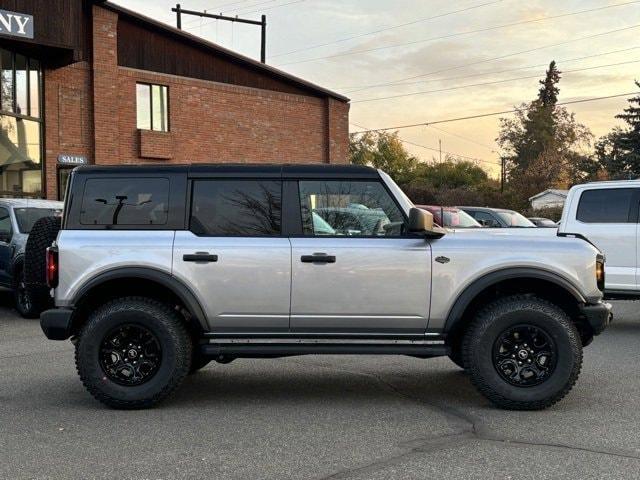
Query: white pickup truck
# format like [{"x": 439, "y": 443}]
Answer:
[{"x": 606, "y": 213}]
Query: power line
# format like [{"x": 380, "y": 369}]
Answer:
[
  {"x": 467, "y": 139},
  {"x": 452, "y": 35},
  {"x": 349, "y": 90},
  {"x": 457, "y": 155},
  {"x": 240, "y": 12},
  {"x": 494, "y": 82},
  {"x": 254, "y": 11},
  {"x": 217, "y": 7},
  {"x": 380, "y": 30},
  {"x": 501, "y": 57},
  {"x": 492, "y": 114}
]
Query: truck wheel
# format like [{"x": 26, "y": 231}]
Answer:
[
  {"x": 42, "y": 235},
  {"x": 23, "y": 303},
  {"x": 523, "y": 353},
  {"x": 133, "y": 352},
  {"x": 456, "y": 357}
]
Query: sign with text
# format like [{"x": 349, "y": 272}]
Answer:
[
  {"x": 64, "y": 159},
  {"x": 16, "y": 24}
]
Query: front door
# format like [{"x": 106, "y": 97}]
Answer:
[
  {"x": 354, "y": 269},
  {"x": 234, "y": 256}
]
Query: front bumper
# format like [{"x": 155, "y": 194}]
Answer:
[
  {"x": 598, "y": 315},
  {"x": 56, "y": 323}
]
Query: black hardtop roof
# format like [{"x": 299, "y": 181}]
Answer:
[{"x": 232, "y": 169}]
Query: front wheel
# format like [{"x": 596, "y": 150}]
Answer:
[
  {"x": 523, "y": 353},
  {"x": 133, "y": 352}
]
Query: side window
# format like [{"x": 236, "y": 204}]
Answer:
[
  {"x": 125, "y": 201},
  {"x": 610, "y": 205},
  {"x": 245, "y": 208},
  {"x": 486, "y": 218},
  {"x": 350, "y": 208},
  {"x": 5, "y": 225}
]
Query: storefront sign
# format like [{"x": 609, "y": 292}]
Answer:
[
  {"x": 64, "y": 159},
  {"x": 16, "y": 24}
]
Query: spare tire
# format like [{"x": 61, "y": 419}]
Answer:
[{"x": 41, "y": 237}]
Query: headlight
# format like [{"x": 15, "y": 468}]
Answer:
[{"x": 600, "y": 272}]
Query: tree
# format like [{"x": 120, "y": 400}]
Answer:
[
  {"x": 543, "y": 144},
  {"x": 385, "y": 151},
  {"x": 619, "y": 151}
]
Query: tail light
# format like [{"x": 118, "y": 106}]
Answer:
[
  {"x": 600, "y": 272},
  {"x": 52, "y": 267}
]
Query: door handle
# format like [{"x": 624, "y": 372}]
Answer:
[
  {"x": 318, "y": 258},
  {"x": 203, "y": 257}
]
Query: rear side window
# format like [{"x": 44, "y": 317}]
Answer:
[
  {"x": 247, "y": 208},
  {"x": 608, "y": 205},
  {"x": 125, "y": 201}
]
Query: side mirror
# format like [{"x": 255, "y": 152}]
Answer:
[
  {"x": 5, "y": 237},
  {"x": 421, "y": 221}
]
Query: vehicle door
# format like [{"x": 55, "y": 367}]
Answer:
[
  {"x": 6, "y": 249},
  {"x": 608, "y": 217},
  {"x": 355, "y": 269},
  {"x": 233, "y": 255}
]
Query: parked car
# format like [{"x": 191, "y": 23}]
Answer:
[
  {"x": 451, "y": 217},
  {"x": 151, "y": 286},
  {"x": 606, "y": 213},
  {"x": 498, "y": 217},
  {"x": 17, "y": 216},
  {"x": 543, "y": 222}
]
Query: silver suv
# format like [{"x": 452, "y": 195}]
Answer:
[{"x": 158, "y": 270}]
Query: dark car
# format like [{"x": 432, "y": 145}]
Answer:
[
  {"x": 498, "y": 217},
  {"x": 450, "y": 217},
  {"x": 17, "y": 217},
  {"x": 543, "y": 222}
]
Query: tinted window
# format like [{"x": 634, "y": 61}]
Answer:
[
  {"x": 125, "y": 201},
  {"x": 605, "y": 206},
  {"x": 26, "y": 217},
  {"x": 5, "y": 225},
  {"x": 246, "y": 208},
  {"x": 352, "y": 208}
]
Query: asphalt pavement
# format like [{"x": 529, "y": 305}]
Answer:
[{"x": 316, "y": 417}]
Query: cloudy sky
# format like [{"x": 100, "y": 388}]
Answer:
[{"x": 414, "y": 61}]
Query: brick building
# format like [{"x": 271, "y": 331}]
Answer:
[{"x": 91, "y": 82}]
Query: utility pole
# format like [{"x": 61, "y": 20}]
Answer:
[
  {"x": 440, "y": 143},
  {"x": 503, "y": 173},
  {"x": 262, "y": 24}
]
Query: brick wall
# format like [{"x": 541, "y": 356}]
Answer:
[{"x": 91, "y": 111}]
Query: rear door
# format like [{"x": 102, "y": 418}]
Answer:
[
  {"x": 608, "y": 217},
  {"x": 234, "y": 256},
  {"x": 354, "y": 268}
]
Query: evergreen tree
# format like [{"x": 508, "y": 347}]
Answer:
[{"x": 548, "y": 94}]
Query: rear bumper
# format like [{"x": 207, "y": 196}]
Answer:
[
  {"x": 598, "y": 315},
  {"x": 56, "y": 323}
]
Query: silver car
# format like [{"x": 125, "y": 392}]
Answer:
[{"x": 158, "y": 270}]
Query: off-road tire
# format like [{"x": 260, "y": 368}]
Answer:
[
  {"x": 503, "y": 314},
  {"x": 456, "y": 357},
  {"x": 22, "y": 300},
  {"x": 41, "y": 237},
  {"x": 168, "y": 328}
]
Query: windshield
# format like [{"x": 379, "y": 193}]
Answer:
[
  {"x": 26, "y": 217},
  {"x": 459, "y": 219},
  {"x": 514, "y": 219}
]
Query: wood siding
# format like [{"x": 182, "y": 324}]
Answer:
[
  {"x": 61, "y": 28},
  {"x": 145, "y": 48}
]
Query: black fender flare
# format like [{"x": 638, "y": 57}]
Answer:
[
  {"x": 492, "y": 278},
  {"x": 146, "y": 273}
]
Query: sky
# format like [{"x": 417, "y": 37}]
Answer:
[{"x": 431, "y": 56}]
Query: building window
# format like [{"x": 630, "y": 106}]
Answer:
[
  {"x": 153, "y": 107},
  {"x": 20, "y": 125}
]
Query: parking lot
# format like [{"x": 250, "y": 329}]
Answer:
[{"x": 316, "y": 417}]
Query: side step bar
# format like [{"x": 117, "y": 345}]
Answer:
[{"x": 252, "y": 350}]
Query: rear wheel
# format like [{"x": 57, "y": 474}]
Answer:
[
  {"x": 22, "y": 299},
  {"x": 133, "y": 352},
  {"x": 523, "y": 353}
]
